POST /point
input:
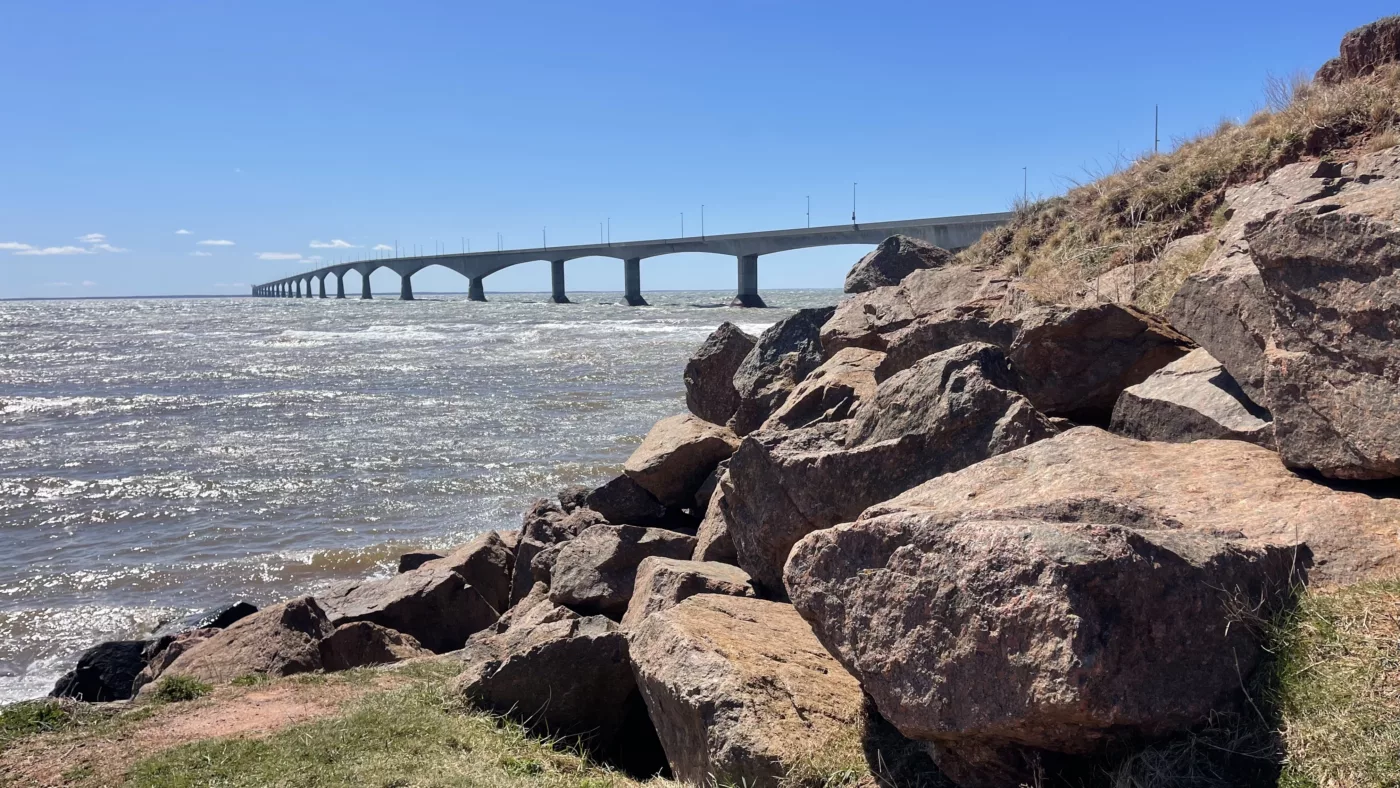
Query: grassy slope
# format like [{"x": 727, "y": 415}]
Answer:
[{"x": 1129, "y": 216}]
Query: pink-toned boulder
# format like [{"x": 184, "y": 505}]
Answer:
[{"x": 677, "y": 455}]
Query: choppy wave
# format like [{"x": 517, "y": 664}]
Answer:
[{"x": 162, "y": 457}]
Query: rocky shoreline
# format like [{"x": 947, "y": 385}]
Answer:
[{"x": 993, "y": 538}]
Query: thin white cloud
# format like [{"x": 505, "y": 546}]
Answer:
[
  {"x": 93, "y": 238},
  {"x": 214, "y": 243},
  {"x": 182, "y": 232},
  {"x": 89, "y": 283},
  {"x": 335, "y": 243},
  {"x": 54, "y": 250},
  {"x": 382, "y": 248},
  {"x": 279, "y": 256},
  {"x": 14, "y": 246},
  {"x": 315, "y": 258},
  {"x": 109, "y": 248},
  {"x": 201, "y": 254}
]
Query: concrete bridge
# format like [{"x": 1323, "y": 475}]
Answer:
[{"x": 952, "y": 232}]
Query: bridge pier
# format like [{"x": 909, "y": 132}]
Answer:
[
  {"x": 340, "y": 285},
  {"x": 475, "y": 290},
  {"x": 556, "y": 277},
  {"x": 632, "y": 282},
  {"x": 405, "y": 287},
  {"x": 365, "y": 294},
  {"x": 748, "y": 283},
  {"x": 298, "y": 288},
  {"x": 321, "y": 286}
]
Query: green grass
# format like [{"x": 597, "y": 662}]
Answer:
[
  {"x": 1337, "y": 688},
  {"x": 415, "y": 735},
  {"x": 176, "y": 689},
  {"x": 1130, "y": 213},
  {"x": 37, "y": 716}
]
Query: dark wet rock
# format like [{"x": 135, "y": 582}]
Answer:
[
  {"x": 782, "y": 358},
  {"x": 1131, "y": 634},
  {"x": 663, "y": 583},
  {"x": 440, "y": 603},
  {"x": 740, "y": 690},
  {"x": 573, "y": 496},
  {"x": 161, "y": 652},
  {"x": 1192, "y": 398},
  {"x": 595, "y": 572},
  {"x": 105, "y": 672},
  {"x": 362, "y": 643},
  {"x": 709, "y": 375},
  {"x": 895, "y": 258},
  {"x": 411, "y": 561},
  {"x": 946, "y": 412},
  {"x": 677, "y": 455}
]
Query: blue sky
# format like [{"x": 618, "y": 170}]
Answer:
[{"x": 273, "y": 126}]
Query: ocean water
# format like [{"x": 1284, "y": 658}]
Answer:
[{"x": 160, "y": 457}]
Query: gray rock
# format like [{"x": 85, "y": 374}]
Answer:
[
  {"x": 895, "y": 258},
  {"x": 709, "y": 375},
  {"x": 781, "y": 358},
  {"x": 663, "y": 583},
  {"x": 594, "y": 573},
  {"x": 712, "y": 540},
  {"x": 1192, "y": 398},
  {"x": 997, "y": 641}
]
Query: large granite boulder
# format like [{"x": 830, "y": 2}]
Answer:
[
  {"x": 740, "y": 690},
  {"x": 994, "y": 640},
  {"x": 440, "y": 603},
  {"x": 1075, "y": 362},
  {"x": 895, "y": 258},
  {"x": 362, "y": 643},
  {"x": 1332, "y": 373},
  {"x": 105, "y": 672},
  {"x": 676, "y": 457},
  {"x": 595, "y": 572},
  {"x": 946, "y": 412},
  {"x": 566, "y": 677},
  {"x": 1229, "y": 488},
  {"x": 623, "y": 502},
  {"x": 709, "y": 375},
  {"x": 831, "y": 392},
  {"x": 1224, "y": 307},
  {"x": 1363, "y": 50},
  {"x": 782, "y": 357},
  {"x": 1192, "y": 398},
  {"x": 930, "y": 311},
  {"x": 663, "y": 583},
  {"x": 276, "y": 641}
]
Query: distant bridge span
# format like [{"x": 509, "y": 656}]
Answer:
[{"x": 951, "y": 232}]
